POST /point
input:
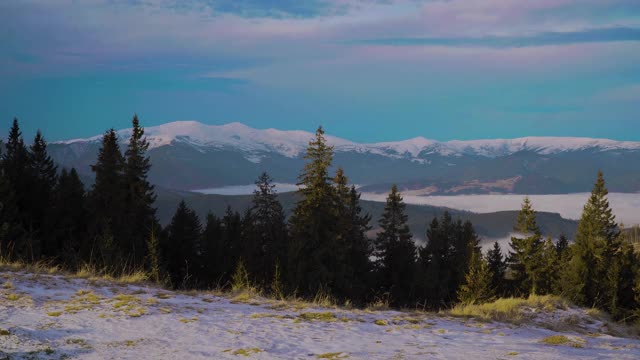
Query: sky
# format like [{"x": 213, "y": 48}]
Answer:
[{"x": 367, "y": 70}]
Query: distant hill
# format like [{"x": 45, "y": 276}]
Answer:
[
  {"x": 489, "y": 226},
  {"x": 189, "y": 155}
]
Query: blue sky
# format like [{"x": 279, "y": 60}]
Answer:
[{"x": 368, "y": 70}]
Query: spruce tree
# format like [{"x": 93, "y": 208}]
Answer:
[
  {"x": 140, "y": 195},
  {"x": 621, "y": 274},
  {"x": 154, "y": 255},
  {"x": 587, "y": 280},
  {"x": 477, "y": 287},
  {"x": 445, "y": 259},
  {"x": 526, "y": 255},
  {"x": 44, "y": 179},
  {"x": 68, "y": 221},
  {"x": 107, "y": 203},
  {"x": 437, "y": 259},
  {"x": 266, "y": 231},
  {"x": 352, "y": 247},
  {"x": 562, "y": 247},
  {"x": 311, "y": 260},
  {"x": 497, "y": 267},
  {"x": 9, "y": 228},
  {"x": 15, "y": 164},
  {"x": 182, "y": 247},
  {"x": 548, "y": 274},
  {"x": 395, "y": 251},
  {"x": 213, "y": 253},
  {"x": 465, "y": 245}
]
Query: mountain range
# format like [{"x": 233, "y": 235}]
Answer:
[{"x": 188, "y": 155}]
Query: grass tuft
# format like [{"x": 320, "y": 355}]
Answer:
[
  {"x": 318, "y": 316},
  {"x": 557, "y": 340},
  {"x": 247, "y": 352},
  {"x": 333, "y": 356}
]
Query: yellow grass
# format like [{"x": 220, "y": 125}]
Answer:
[{"x": 509, "y": 309}]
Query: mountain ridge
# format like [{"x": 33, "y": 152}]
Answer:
[
  {"x": 190, "y": 155},
  {"x": 291, "y": 143}
]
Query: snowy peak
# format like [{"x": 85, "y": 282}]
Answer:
[{"x": 254, "y": 142}]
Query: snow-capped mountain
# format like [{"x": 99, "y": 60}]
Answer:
[
  {"x": 190, "y": 155},
  {"x": 293, "y": 143}
]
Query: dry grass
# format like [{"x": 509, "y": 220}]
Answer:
[
  {"x": 509, "y": 310},
  {"x": 86, "y": 271},
  {"x": 557, "y": 340},
  {"x": 318, "y": 316},
  {"x": 245, "y": 352}
]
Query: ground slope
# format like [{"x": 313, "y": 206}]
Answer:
[{"x": 55, "y": 317}]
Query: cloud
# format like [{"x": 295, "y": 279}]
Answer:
[{"x": 541, "y": 39}]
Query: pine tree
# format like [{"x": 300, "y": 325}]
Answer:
[
  {"x": 526, "y": 255},
  {"x": 265, "y": 231},
  {"x": 311, "y": 261},
  {"x": 107, "y": 203},
  {"x": 588, "y": 278},
  {"x": 140, "y": 195},
  {"x": 396, "y": 251},
  {"x": 44, "y": 177},
  {"x": 497, "y": 267},
  {"x": 68, "y": 220},
  {"x": 181, "y": 248},
  {"x": 477, "y": 287}
]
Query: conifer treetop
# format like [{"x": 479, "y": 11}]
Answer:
[{"x": 526, "y": 223}]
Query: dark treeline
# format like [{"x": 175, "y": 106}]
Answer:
[{"x": 323, "y": 248}]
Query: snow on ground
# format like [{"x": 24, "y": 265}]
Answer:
[{"x": 55, "y": 317}]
